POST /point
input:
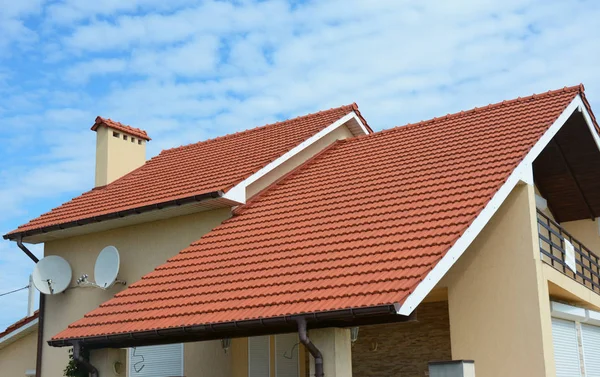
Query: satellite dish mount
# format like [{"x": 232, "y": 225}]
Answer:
[
  {"x": 105, "y": 270},
  {"x": 52, "y": 275}
]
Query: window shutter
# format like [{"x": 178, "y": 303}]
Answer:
[
  {"x": 286, "y": 355},
  {"x": 566, "y": 350},
  {"x": 156, "y": 361},
  {"x": 259, "y": 364},
  {"x": 591, "y": 350}
]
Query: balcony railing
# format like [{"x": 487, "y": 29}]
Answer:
[{"x": 553, "y": 249}]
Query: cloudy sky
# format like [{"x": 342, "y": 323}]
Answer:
[{"x": 187, "y": 70}]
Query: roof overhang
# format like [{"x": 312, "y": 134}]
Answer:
[
  {"x": 523, "y": 173},
  {"x": 19, "y": 333},
  {"x": 265, "y": 326},
  {"x": 567, "y": 171},
  {"x": 138, "y": 215}
]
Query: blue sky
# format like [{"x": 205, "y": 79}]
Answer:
[{"x": 187, "y": 70}]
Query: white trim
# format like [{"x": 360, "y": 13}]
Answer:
[
  {"x": 238, "y": 192},
  {"x": 568, "y": 312},
  {"x": 18, "y": 333},
  {"x": 522, "y": 173}
]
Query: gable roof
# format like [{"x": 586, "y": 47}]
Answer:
[
  {"x": 120, "y": 127},
  {"x": 360, "y": 225},
  {"x": 12, "y": 333},
  {"x": 207, "y": 168}
]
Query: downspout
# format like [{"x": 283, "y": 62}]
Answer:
[
  {"x": 314, "y": 351},
  {"x": 77, "y": 356},
  {"x": 40, "y": 339}
]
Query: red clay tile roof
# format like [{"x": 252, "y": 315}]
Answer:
[
  {"x": 17, "y": 325},
  {"x": 120, "y": 127},
  {"x": 196, "y": 169},
  {"x": 359, "y": 225}
]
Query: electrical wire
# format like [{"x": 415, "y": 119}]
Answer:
[{"x": 16, "y": 290}]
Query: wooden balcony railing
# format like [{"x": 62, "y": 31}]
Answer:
[{"x": 553, "y": 252}]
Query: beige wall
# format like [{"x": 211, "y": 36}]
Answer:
[
  {"x": 116, "y": 157},
  {"x": 339, "y": 133},
  {"x": 498, "y": 300},
  {"x": 142, "y": 248},
  {"x": 207, "y": 359},
  {"x": 403, "y": 349},
  {"x": 18, "y": 357},
  {"x": 585, "y": 231}
]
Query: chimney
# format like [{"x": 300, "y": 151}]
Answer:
[{"x": 120, "y": 149}]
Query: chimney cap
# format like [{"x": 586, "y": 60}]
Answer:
[{"x": 100, "y": 121}]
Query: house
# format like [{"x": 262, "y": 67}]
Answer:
[
  {"x": 18, "y": 346},
  {"x": 317, "y": 247}
]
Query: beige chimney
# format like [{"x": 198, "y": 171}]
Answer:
[{"x": 120, "y": 149}]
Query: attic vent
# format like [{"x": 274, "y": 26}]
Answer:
[
  {"x": 139, "y": 141},
  {"x": 133, "y": 140},
  {"x": 116, "y": 134},
  {"x": 124, "y": 137}
]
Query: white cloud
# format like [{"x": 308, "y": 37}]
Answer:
[
  {"x": 81, "y": 72},
  {"x": 186, "y": 71}
]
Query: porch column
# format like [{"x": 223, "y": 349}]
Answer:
[{"x": 335, "y": 345}]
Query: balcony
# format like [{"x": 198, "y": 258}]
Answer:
[{"x": 582, "y": 265}]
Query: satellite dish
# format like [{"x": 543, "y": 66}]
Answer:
[
  {"x": 107, "y": 267},
  {"x": 52, "y": 275}
]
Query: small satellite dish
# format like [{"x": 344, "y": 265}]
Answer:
[
  {"x": 107, "y": 267},
  {"x": 52, "y": 275}
]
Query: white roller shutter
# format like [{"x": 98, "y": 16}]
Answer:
[
  {"x": 156, "y": 361},
  {"x": 286, "y": 355},
  {"x": 259, "y": 363},
  {"x": 591, "y": 350},
  {"x": 566, "y": 351}
]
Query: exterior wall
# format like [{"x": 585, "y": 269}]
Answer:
[
  {"x": 142, "y": 248},
  {"x": 339, "y": 133},
  {"x": 116, "y": 157},
  {"x": 403, "y": 349},
  {"x": 498, "y": 298},
  {"x": 18, "y": 357},
  {"x": 585, "y": 231},
  {"x": 207, "y": 359}
]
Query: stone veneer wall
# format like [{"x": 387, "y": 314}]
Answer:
[{"x": 403, "y": 349}]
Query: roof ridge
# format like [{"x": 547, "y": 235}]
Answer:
[
  {"x": 575, "y": 89},
  {"x": 259, "y": 128}
]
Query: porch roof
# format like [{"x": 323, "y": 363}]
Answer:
[{"x": 360, "y": 225}]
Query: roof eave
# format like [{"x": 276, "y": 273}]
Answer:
[
  {"x": 13, "y": 236},
  {"x": 255, "y": 327}
]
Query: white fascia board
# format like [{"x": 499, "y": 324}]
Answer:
[
  {"x": 522, "y": 173},
  {"x": 238, "y": 192},
  {"x": 18, "y": 333}
]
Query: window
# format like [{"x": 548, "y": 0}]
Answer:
[
  {"x": 566, "y": 348},
  {"x": 116, "y": 134},
  {"x": 275, "y": 356},
  {"x": 156, "y": 361},
  {"x": 124, "y": 137}
]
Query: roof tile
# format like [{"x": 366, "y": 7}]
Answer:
[
  {"x": 359, "y": 225},
  {"x": 209, "y": 166}
]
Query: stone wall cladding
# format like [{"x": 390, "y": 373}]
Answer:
[{"x": 403, "y": 349}]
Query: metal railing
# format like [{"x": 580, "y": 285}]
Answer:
[{"x": 553, "y": 252}]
